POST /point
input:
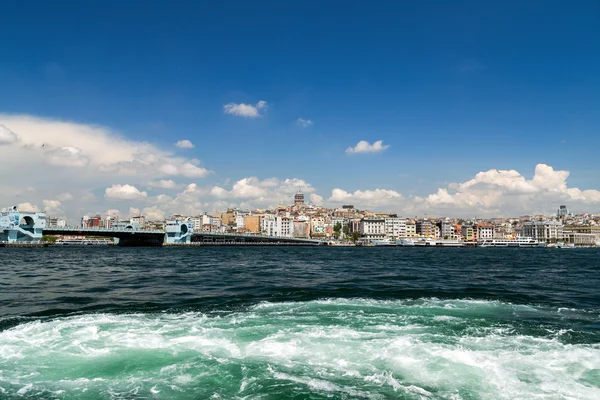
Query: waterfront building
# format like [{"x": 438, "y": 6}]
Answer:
[
  {"x": 317, "y": 225},
  {"x": 272, "y": 225},
  {"x": 425, "y": 228},
  {"x": 372, "y": 228},
  {"x": 457, "y": 231},
  {"x": 239, "y": 221},
  {"x": 467, "y": 233},
  {"x": 109, "y": 220},
  {"x": 482, "y": 232},
  {"x": 228, "y": 217},
  {"x": 411, "y": 229},
  {"x": 446, "y": 230},
  {"x": 395, "y": 227},
  {"x": 139, "y": 220},
  {"x": 580, "y": 239},
  {"x": 125, "y": 225},
  {"x": 544, "y": 231},
  {"x": 91, "y": 222},
  {"x": 56, "y": 223},
  {"x": 197, "y": 222},
  {"x": 301, "y": 230},
  {"x": 586, "y": 229},
  {"x": 252, "y": 223}
]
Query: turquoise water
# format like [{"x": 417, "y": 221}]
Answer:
[{"x": 272, "y": 333}]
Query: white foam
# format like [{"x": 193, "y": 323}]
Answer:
[{"x": 327, "y": 346}]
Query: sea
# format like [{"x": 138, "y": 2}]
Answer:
[{"x": 299, "y": 323}]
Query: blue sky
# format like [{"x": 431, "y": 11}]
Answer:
[{"x": 453, "y": 88}]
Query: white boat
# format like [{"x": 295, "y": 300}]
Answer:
[
  {"x": 84, "y": 242},
  {"x": 383, "y": 242},
  {"x": 405, "y": 242},
  {"x": 425, "y": 242},
  {"x": 450, "y": 243},
  {"x": 518, "y": 242}
]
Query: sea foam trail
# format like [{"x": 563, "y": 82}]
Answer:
[{"x": 339, "y": 348}]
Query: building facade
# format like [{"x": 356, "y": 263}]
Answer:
[{"x": 372, "y": 228}]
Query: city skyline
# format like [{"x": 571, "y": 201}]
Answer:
[{"x": 457, "y": 110}]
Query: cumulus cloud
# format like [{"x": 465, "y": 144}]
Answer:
[
  {"x": 28, "y": 207},
  {"x": 366, "y": 198},
  {"x": 124, "y": 192},
  {"x": 153, "y": 213},
  {"x": 488, "y": 193},
  {"x": 305, "y": 123},
  {"x": 499, "y": 191},
  {"x": 65, "y": 196},
  {"x": 7, "y": 136},
  {"x": 164, "y": 184},
  {"x": 246, "y": 110},
  {"x": 316, "y": 199},
  {"x": 184, "y": 144},
  {"x": 79, "y": 159},
  {"x": 101, "y": 150},
  {"x": 365, "y": 147},
  {"x": 52, "y": 207},
  {"x": 248, "y": 193}
]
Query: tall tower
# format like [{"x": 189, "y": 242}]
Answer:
[{"x": 299, "y": 199}]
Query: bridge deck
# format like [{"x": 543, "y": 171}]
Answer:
[{"x": 196, "y": 236}]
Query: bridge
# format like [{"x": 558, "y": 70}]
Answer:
[
  {"x": 127, "y": 237},
  {"x": 178, "y": 234}
]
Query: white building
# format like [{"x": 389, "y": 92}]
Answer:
[
  {"x": 545, "y": 231},
  {"x": 484, "y": 231},
  {"x": 372, "y": 228},
  {"x": 56, "y": 223},
  {"x": 276, "y": 226},
  {"x": 239, "y": 221},
  {"x": 395, "y": 227}
]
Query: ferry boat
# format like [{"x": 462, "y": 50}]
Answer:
[
  {"x": 84, "y": 242},
  {"x": 425, "y": 242},
  {"x": 450, "y": 243},
  {"x": 383, "y": 242},
  {"x": 405, "y": 242},
  {"x": 518, "y": 242}
]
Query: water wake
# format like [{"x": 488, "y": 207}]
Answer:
[{"x": 340, "y": 348}]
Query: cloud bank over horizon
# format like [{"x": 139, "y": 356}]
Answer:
[{"x": 72, "y": 169}]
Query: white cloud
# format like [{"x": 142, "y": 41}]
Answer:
[
  {"x": 66, "y": 157},
  {"x": 65, "y": 196},
  {"x": 246, "y": 110},
  {"x": 305, "y": 123},
  {"x": 93, "y": 150},
  {"x": 364, "y": 147},
  {"x": 153, "y": 213},
  {"x": 184, "y": 144},
  {"x": 164, "y": 184},
  {"x": 112, "y": 213},
  {"x": 489, "y": 193},
  {"x": 7, "y": 136},
  {"x": 507, "y": 191},
  {"x": 367, "y": 198},
  {"x": 52, "y": 207},
  {"x": 316, "y": 199},
  {"x": 58, "y": 157},
  {"x": 124, "y": 192},
  {"x": 28, "y": 207}
]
